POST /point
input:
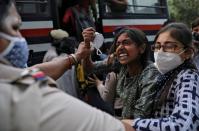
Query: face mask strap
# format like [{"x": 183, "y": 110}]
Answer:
[
  {"x": 10, "y": 38},
  {"x": 10, "y": 46},
  {"x": 99, "y": 52},
  {"x": 183, "y": 50}
]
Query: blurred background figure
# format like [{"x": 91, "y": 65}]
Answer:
[
  {"x": 195, "y": 33},
  {"x": 56, "y": 37},
  {"x": 117, "y": 5},
  {"x": 78, "y": 17},
  {"x": 62, "y": 46}
]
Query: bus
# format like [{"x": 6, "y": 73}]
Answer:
[
  {"x": 147, "y": 15},
  {"x": 41, "y": 16},
  {"x": 38, "y": 19}
]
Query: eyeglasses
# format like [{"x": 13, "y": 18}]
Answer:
[
  {"x": 167, "y": 47},
  {"x": 124, "y": 42}
]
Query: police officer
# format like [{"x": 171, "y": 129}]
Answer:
[{"x": 27, "y": 103}]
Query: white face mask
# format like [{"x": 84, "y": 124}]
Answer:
[
  {"x": 166, "y": 61},
  {"x": 97, "y": 42}
]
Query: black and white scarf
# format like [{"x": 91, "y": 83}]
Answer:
[{"x": 161, "y": 84}]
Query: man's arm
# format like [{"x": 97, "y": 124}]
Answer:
[
  {"x": 58, "y": 66},
  {"x": 62, "y": 111}
]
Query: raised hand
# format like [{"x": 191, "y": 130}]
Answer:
[
  {"x": 88, "y": 35},
  {"x": 94, "y": 80}
]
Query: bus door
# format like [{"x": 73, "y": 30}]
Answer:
[
  {"x": 147, "y": 15},
  {"x": 37, "y": 17}
]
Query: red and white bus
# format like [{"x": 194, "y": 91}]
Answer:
[
  {"x": 41, "y": 16},
  {"x": 147, "y": 15}
]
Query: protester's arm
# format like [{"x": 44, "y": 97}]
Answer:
[
  {"x": 128, "y": 123},
  {"x": 58, "y": 66},
  {"x": 110, "y": 86},
  {"x": 107, "y": 90},
  {"x": 88, "y": 35}
]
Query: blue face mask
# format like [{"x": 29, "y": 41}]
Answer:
[{"x": 17, "y": 51}]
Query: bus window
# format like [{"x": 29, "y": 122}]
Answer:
[
  {"x": 37, "y": 22},
  {"x": 144, "y": 6},
  {"x": 34, "y": 8},
  {"x": 129, "y": 7}
]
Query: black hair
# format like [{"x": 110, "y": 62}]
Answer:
[
  {"x": 106, "y": 47},
  {"x": 195, "y": 35},
  {"x": 195, "y": 23},
  {"x": 118, "y": 29},
  {"x": 168, "y": 21},
  {"x": 66, "y": 45},
  {"x": 178, "y": 31},
  {"x": 4, "y": 10},
  {"x": 139, "y": 38}
]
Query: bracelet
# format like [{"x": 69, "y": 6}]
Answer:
[
  {"x": 74, "y": 58},
  {"x": 69, "y": 62}
]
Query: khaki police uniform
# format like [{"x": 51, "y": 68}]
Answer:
[{"x": 27, "y": 103}]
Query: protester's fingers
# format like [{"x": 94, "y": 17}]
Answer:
[
  {"x": 88, "y": 35},
  {"x": 95, "y": 77},
  {"x": 83, "y": 51},
  {"x": 87, "y": 43},
  {"x": 89, "y": 32},
  {"x": 91, "y": 79},
  {"x": 91, "y": 82},
  {"x": 89, "y": 29},
  {"x": 84, "y": 45},
  {"x": 88, "y": 39}
]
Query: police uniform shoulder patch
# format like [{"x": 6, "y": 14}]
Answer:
[
  {"x": 30, "y": 76},
  {"x": 38, "y": 75}
]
